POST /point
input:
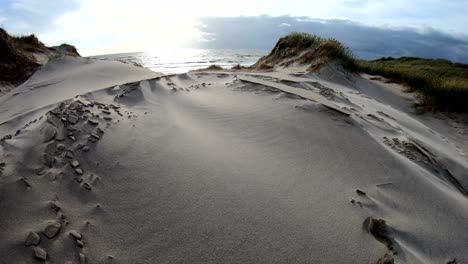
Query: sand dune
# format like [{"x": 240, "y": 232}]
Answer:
[{"x": 234, "y": 167}]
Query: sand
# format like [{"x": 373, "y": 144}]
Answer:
[{"x": 123, "y": 165}]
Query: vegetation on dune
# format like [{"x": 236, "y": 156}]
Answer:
[
  {"x": 15, "y": 64},
  {"x": 17, "y": 55},
  {"x": 306, "y": 48},
  {"x": 28, "y": 42},
  {"x": 212, "y": 67},
  {"x": 440, "y": 84},
  {"x": 69, "y": 50}
]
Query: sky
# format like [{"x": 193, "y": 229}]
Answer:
[{"x": 113, "y": 26}]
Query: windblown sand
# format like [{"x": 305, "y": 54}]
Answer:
[{"x": 109, "y": 163}]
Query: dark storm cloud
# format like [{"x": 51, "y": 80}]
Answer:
[{"x": 262, "y": 32}]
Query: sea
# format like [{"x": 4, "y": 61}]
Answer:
[{"x": 170, "y": 61}]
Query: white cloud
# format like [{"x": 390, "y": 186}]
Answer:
[
  {"x": 116, "y": 26},
  {"x": 97, "y": 26},
  {"x": 284, "y": 25}
]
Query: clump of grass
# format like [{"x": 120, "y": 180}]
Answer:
[
  {"x": 212, "y": 67},
  {"x": 307, "y": 48},
  {"x": 28, "y": 42},
  {"x": 17, "y": 60},
  {"x": 67, "y": 49},
  {"x": 15, "y": 64},
  {"x": 238, "y": 67},
  {"x": 294, "y": 43},
  {"x": 328, "y": 50},
  {"x": 440, "y": 84}
]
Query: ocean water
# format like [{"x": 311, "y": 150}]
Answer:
[{"x": 182, "y": 60}]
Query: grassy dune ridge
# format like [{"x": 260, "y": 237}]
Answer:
[
  {"x": 306, "y": 48},
  {"x": 15, "y": 63},
  {"x": 441, "y": 85},
  {"x": 17, "y": 55}
]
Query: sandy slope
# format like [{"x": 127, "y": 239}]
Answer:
[
  {"x": 65, "y": 78},
  {"x": 228, "y": 168}
]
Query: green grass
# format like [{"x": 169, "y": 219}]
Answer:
[
  {"x": 308, "y": 48},
  {"x": 440, "y": 84}
]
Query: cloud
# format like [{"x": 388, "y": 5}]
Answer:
[
  {"x": 109, "y": 26},
  {"x": 32, "y": 16},
  {"x": 368, "y": 42}
]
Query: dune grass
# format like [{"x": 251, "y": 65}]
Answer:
[
  {"x": 17, "y": 55},
  {"x": 31, "y": 41},
  {"x": 440, "y": 84},
  {"x": 15, "y": 64},
  {"x": 307, "y": 48}
]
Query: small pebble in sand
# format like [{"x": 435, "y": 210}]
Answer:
[
  {"x": 72, "y": 138},
  {"x": 75, "y": 234},
  {"x": 352, "y": 201},
  {"x": 359, "y": 192},
  {"x": 74, "y": 163},
  {"x": 40, "y": 253},
  {"x": 60, "y": 147},
  {"x": 72, "y": 119},
  {"x": 52, "y": 229},
  {"x": 9, "y": 136},
  {"x": 95, "y": 136},
  {"x": 49, "y": 133},
  {"x": 61, "y": 215},
  {"x": 92, "y": 122},
  {"x": 79, "y": 243},
  {"x": 107, "y": 118},
  {"x": 79, "y": 171},
  {"x": 379, "y": 229},
  {"x": 87, "y": 186},
  {"x": 100, "y": 130},
  {"x": 25, "y": 182},
  {"x": 85, "y": 148},
  {"x": 54, "y": 205},
  {"x": 69, "y": 155},
  {"x": 32, "y": 239},
  {"x": 55, "y": 121}
]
